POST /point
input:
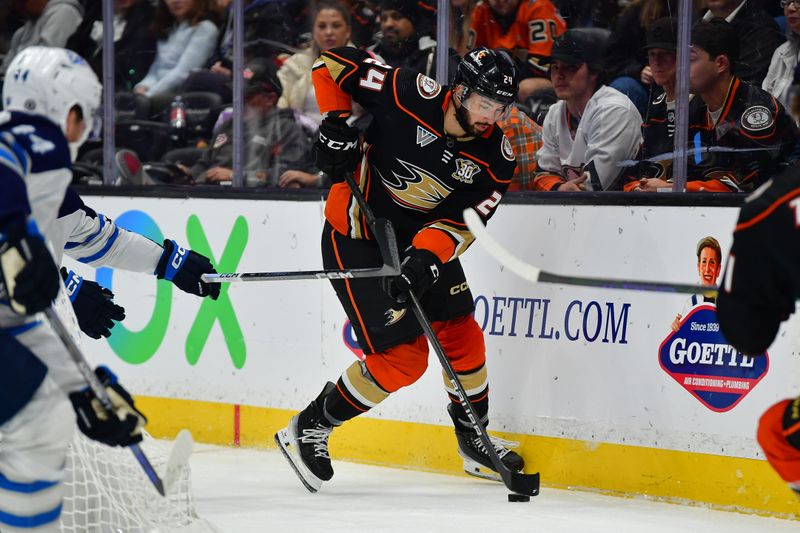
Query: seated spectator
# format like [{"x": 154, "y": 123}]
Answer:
[
  {"x": 404, "y": 39},
  {"x": 186, "y": 39},
  {"x": 525, "y": 136},
  {"x": 626, "y": 63},
  {"x": 134, "y": 41},
  {"x": 780, "y": 76},
  {"x": 48, "y": 23},
  {"x": 331, "y": 29},
  {"x": 746, "y": 120},
  {"x": 526, "y": 28},
  {"x": 263, "y": 19},
  {"x": 592, "y": 128},
  {"x": 275, "y": 142},
  {"x": 653, "y": 172},
  {"x": 758, "y": 35}
]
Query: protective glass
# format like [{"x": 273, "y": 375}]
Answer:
[{"x": 483, "y": 108}]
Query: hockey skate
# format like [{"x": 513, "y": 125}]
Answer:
[
  {"x": 476, "y": 459},
  {"x": 304, "y": 443}
]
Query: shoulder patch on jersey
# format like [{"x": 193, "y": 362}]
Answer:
[
  {"x": 427, "y": 87},
  {"x": 465, "y": 170},
  {"x": 506, "y": 149},
  {"x": 757, "y": 118},
  {"x": 220, "y": 140}
]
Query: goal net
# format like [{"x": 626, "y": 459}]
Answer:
[{"x": 106, "y": 489}]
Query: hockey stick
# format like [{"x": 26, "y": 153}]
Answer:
[
  {"x": 536, "y": 275},
  {"x": 99, "y": 391},
  {"x": 527, "y": 484},
  {"x": 384, "y": 235}
]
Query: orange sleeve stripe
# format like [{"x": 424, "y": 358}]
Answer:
[
  {"x": 330, "y": 97},
  {"x": 436, "y": 241},
  {"x": 488, "y": 169},
  {"x": 629, "y": 186},
  {"x": 707, "y": 186},
  {"x": 768, "y": 211},
  {"x": 397, "y": 101},
  {"x": 546, "y": 182},
  {"x": 350, "y": 292}
]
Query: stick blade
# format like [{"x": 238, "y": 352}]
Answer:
[{"x": 520, "y": 483}]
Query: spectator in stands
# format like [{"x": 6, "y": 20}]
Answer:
[
  {"x": 263, "y": 20},
  {"x": 525, "y": 136},
  {"x": 275, "y": 142},
  {"x": 735, "y": 115},
  {"x": 757, "y": 33},
  {"x": 48, "y": 23},
  {"x": 186, "y": 39},
  {"x": 626, "y": 61},
  {"x": 405, "y": 41},
  {"x": 364, "y": 16},
  {"x": 653, "y": 171},
  {"x": 780, "y": 76},
  {"x": 134, "y": 41},
  {"x": 592, "y": 128},
  {"x": 331, "y": 29},
  {"x": 526, "y": 28}
]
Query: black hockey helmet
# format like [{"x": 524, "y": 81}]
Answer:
[{"x": 489, "y": 73}]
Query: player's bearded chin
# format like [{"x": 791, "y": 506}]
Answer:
[{"x": 463, "y": 118}]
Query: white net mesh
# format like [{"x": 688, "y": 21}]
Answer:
[{"x": 107, "y": 491}]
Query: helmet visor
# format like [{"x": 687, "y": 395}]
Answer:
[{"x": 485, "y": 109}]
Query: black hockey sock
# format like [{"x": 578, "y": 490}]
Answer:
[
  {"x": 355, "y": 393},
  {"x": 476, "y": 385}
]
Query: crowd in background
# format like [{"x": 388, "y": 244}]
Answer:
[{"x": 597, "y": 96}]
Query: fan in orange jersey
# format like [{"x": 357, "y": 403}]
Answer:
[{"x": 526, "y": 28}]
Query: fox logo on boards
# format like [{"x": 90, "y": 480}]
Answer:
[{"x": 699, "y": 358}]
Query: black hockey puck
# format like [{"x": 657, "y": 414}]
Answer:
[{"x": 513, "y": 497}]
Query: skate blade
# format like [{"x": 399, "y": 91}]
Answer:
[
  {"x": 474, "y": 468},
  {"x": 285, "y": 441}
]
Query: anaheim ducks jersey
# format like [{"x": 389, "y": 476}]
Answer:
[
  {"x": 531, "y": 28},
  {"x": 748, "y": 143},
  {"x": 414, "y": 174}
]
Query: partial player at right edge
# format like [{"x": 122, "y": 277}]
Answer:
[
  {"x": 430, "y": 153},
  {"x": 760, "y": 285}
]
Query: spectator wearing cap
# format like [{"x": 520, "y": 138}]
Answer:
[
  {"x": 627, "y": 66},
  {"x": 331, "y": 29},
  {"x": 653, "y": 171},
  {"x": 781, "y": 74},
  {"x": 405, "y": 40},
  {"x": 592, "y": 128},
  {"x": 757, "y": 33},
  {"x": 275, "y": 143},
  {"x": 754, "y": 130},
  {"x": 526, "y": 29}
]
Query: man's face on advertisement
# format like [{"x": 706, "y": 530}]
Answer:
[{"x": 708, "y": 266}]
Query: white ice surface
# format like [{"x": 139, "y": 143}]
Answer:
[{"x": 245, "y": 490}]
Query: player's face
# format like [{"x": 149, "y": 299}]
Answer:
[
  {"x": 75, "y": 127},
  {"x": 662, "y": 64},
  {"x": 503, "y": 7},
  {"x": 482, "y": 112},
  {"x": 330, "y": 30},
  {"x": 571, "y": 81},
  {"x": 180, "y": 9},
  {"x": 708, "y": 266},
  {"x": 396, "y": 28},
  {"x": 703, "y": 71}
]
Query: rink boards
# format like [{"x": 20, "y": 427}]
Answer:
[{"x": 593, "y": 382}]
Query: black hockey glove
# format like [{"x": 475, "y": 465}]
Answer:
[
  {"x": 93, "y": 305},
  {"x": 184, "y": 267},
  {"x": 419, "y": 271},
  {"x": 28, "y": 275},
  {"x": 122, "y": 427},
  {"x": 336, "y": 150}
]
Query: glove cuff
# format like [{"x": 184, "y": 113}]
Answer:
[{"x": 72, "y": 283}]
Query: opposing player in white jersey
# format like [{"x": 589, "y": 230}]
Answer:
[
  {"x": 49, "y": 96},
  {"x": 93, "y": 239}
]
